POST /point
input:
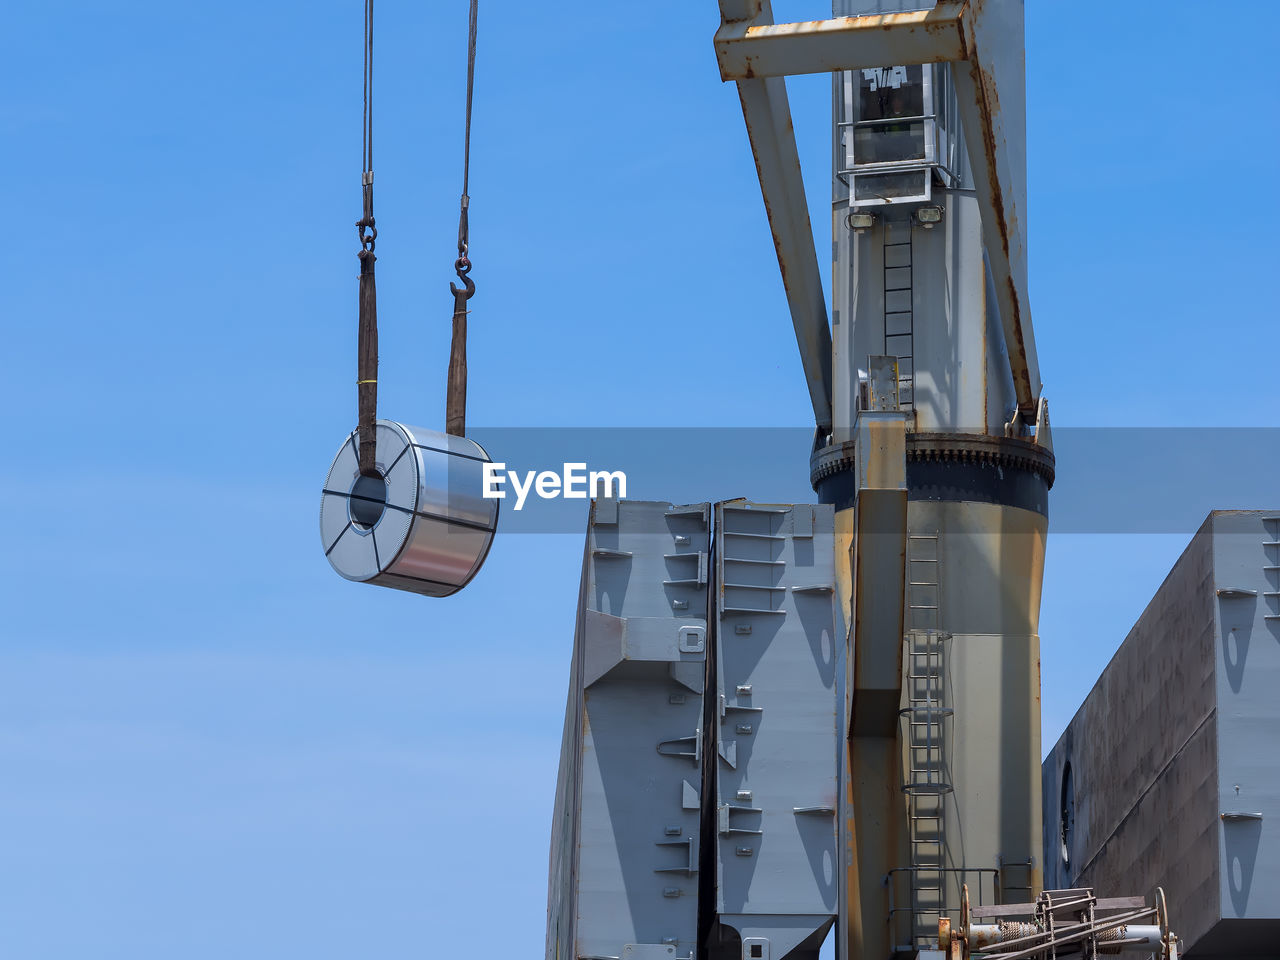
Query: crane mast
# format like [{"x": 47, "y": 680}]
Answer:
[
  {"x": 940, "y": 484},
  {"x": 789, "y": 718}
]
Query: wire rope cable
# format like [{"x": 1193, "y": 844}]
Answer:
[
  {"x": 367, "y": 335},
  {"x": 455, "y": 406}
]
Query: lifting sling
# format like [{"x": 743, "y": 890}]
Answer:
[
  {"x": 455, "y": 404},
  {"x": 367, "y": 345},
  {"x": 367, "y": 348}
]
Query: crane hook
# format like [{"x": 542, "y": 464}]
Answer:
[{"x": 462, "y": 266}]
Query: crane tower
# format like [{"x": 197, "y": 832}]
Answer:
[{"x": 785, "y": 718}]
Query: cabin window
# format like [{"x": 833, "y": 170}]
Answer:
[
  {"x": 892, "y": 138},
  {"x": 889, "y": 125}
]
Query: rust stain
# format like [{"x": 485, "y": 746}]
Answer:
[
  {"x": 945, "y": 21},
  {"x": 889, "y": 21},
  {"x": 757, "y": 150},
  {"x": 1023, "y": 384},
  {"x": 989, "y": 106}
]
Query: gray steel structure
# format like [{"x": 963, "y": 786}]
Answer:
[
  {"x": 784, "y": 717},
  {"x": 688, "y": 826},
  {"x": 778, "y": 667},
  {"x": 870, "y": 744},
  {"x": 933, "y": 441},
  {"x": 625, "y": 840},
  {"x": 1168, "y": 773},
  {"x": 936, "y": 378}
]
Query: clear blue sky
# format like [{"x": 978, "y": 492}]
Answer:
[{"x": 204, "y": 751}]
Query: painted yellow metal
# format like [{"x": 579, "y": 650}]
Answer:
[
  {"x": 990, "y": 574},
  {"x": 878, "y": 568},
  {"x": 877, "y": 843},
  {"x": 985, "y": 590},
  {"x": 874, "y": 811}
]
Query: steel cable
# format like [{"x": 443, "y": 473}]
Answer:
[
  {"x": 367, "y": 345},
  {"x": 455, "y": 404}
]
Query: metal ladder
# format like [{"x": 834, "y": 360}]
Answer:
[
  {"x": 923, "y": 590},
  {"x": 926, "y": 782},
  {"x": 899, "y": 325},
  {"x": 1271, "y": 569}
]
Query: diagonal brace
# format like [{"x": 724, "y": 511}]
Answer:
[
  {"x": 980, "y": 39},
  {"x": 773, "y": 144}
]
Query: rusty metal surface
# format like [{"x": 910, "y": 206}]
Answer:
[
  {"x": 879, "y": 566},
  {"x": 988, "y": 576},
  {"x": 874, "y": 808},
  {"x": 751, "y": 49},
  {"x": 1004, "y": 452},
  {"x": 773, "y": 144},
  {"x": 875, "y": 840},
  {"x": 991, "y": 96},
  {"x": 986, "y": 600},
  {"x": 984, "y": 39},
  {"x": 1103, "y": 905}
]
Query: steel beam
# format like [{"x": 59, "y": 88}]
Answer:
[
  {"x": 984, "y": 40},
  {"x": 990, "y": 89},
  {"x": 773, "y": 142},
  {"x": 758, "y": 48},
  {"x": 876, "y": 830},
  {"x": 879, "y": 572}
]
